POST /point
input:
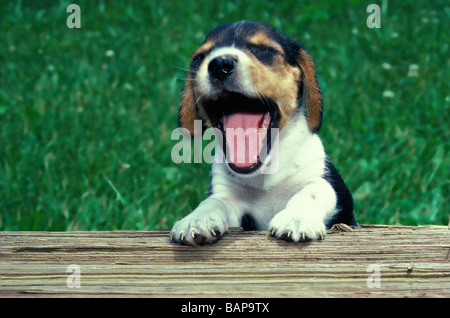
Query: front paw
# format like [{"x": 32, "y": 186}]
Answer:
[
  {"x": 198, "y": 229},
  {"x": 292, "y": 226}
]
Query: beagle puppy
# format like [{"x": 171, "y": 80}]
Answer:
[{"x": 258, "y": 89}]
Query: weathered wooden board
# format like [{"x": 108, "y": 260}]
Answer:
[{"x": 410, "y": 261}]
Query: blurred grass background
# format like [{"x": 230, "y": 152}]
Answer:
[{"x": 86, "y": 114}]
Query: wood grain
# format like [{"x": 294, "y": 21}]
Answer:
[{"x": 413, "y": 262}]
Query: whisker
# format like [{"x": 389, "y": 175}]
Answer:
[
  {"x": 198, "y": 96},
  {"x": 185, "y": 69}
]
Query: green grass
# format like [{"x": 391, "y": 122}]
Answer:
[{"x": 86, "y": 115}]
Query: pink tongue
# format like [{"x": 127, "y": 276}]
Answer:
[{"x": 245, "y": 133}]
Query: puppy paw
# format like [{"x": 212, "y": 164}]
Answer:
[
  {"x": 198, "y": 229},
  {"x": 295, "y": 227}
]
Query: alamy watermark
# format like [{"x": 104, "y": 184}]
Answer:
[
  {"x": 74, "y": 19},
  {"x": 74, "y": 279},
  {"x": 242, "y": 146},
  {"x": 374, "y": 19},
  {"x": 374, "y": 279}
]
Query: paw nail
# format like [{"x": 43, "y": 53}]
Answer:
[
  {"x": 215, "y": 235},
  {"x": 286, "y": 237}
]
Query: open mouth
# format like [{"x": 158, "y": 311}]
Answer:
[{"x": 245, "y": 123}]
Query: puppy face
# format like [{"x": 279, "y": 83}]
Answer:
[{"x": 245, "y": 79}]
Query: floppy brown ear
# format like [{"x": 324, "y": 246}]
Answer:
[
  {"x": 312, "y": 95},
  {"x": 187, "y": 111}
]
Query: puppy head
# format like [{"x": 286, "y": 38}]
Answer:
[{"x": 249, "y": 76}]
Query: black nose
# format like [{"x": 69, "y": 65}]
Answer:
[{"x": 222, "y": 67}]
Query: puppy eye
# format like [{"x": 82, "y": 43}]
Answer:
[
  {"x": 266, "y": 48},
  {"x": 264, "y": 53},
  {"x": 197, "y": 60}
]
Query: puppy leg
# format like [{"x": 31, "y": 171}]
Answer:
[
  {"x": 206, "y": 224},
  {"x": 305, "y": 214}
]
